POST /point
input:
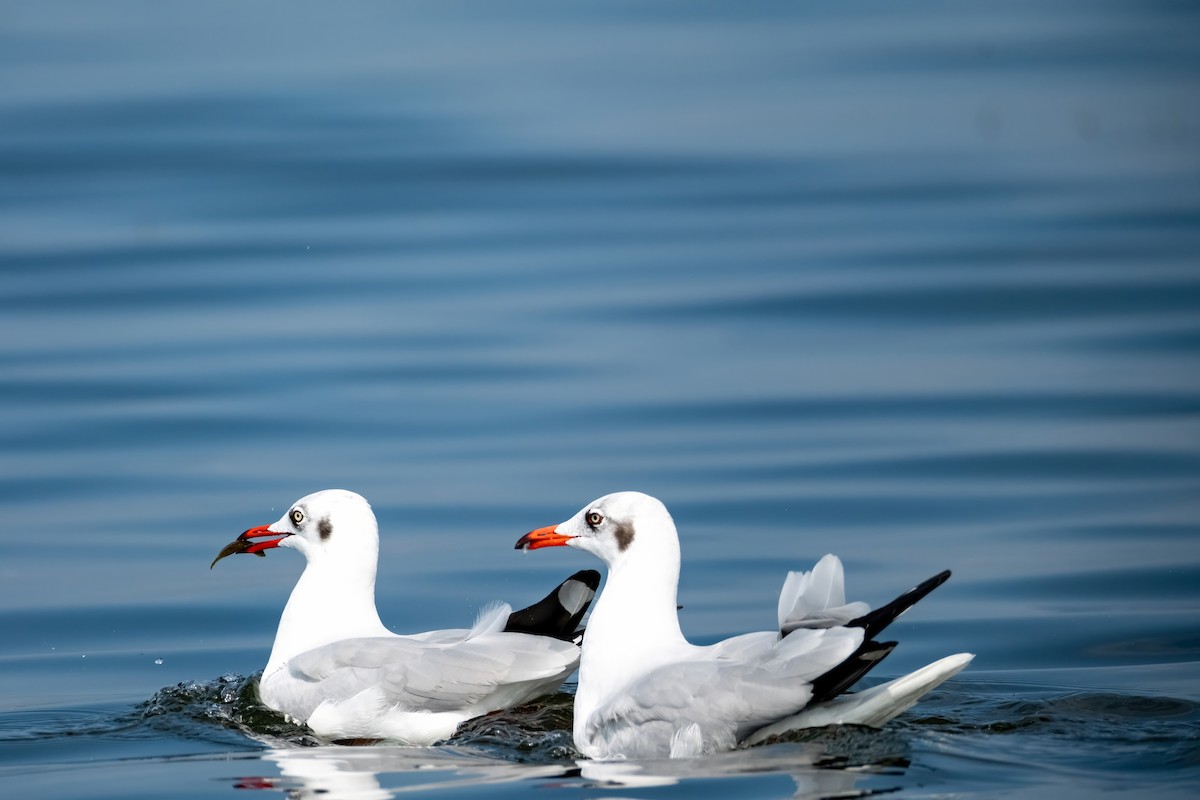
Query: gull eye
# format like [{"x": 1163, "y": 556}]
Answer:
[
  {"x": 594, "y": 518},
  {"x": 297, "y": 516}
]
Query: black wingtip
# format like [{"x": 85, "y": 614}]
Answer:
[
  {"x": 870, "y": 653},
  {"x": 844, "y": 675},
  {"x": 591, "y": 578},
  {"x": 558, "y": 614},
  {"x": 875, "y": 621}
]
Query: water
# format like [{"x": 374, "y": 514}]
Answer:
[{"x": 916, "y": 285}]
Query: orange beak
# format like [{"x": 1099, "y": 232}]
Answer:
[{"x": 542, "y": 537}]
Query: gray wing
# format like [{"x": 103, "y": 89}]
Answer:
[
  {"x": 429, "y": 675},
  {"x": 711, "y": 702}
]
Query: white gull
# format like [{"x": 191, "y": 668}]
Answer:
[
  {"x": 336, "y": 668},
  {"x": 646, "y": 692}
]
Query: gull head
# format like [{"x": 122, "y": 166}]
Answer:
[
  {"x": 614, "y": 528},
  {"x": 334, "y": 525}
]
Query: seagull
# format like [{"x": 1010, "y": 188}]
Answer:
[
  {"x": 645, "y": 692},
  {"x": 337, "y": 669}
]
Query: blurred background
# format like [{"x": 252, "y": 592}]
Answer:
[{"x": 914, "y": 284}]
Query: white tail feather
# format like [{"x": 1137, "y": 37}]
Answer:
[
  {"x": 492, "y": 617},
  {"x": 872, "y": 707},
  {"x": 817, "y": 599}
]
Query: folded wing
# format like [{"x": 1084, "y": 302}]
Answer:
[
  {"x": 711, "y": 701},
  {"x": 437, "y": 674}
]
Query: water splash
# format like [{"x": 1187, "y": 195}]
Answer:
[
  {"x": 206, "y": 710},
  {"x": 210, "y": 710},
  {"x": 539, "y": 732}
]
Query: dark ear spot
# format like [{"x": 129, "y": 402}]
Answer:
[
  {"x": 325, "y": 528},
  {"x": 623, "y": 531}
]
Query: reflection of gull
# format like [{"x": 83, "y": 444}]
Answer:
[
  {"x": 326, "y": 772},
  {"x": 646, "y": 692},
  {"x": 336, "y": 668},
  {"x": 797, "y": 761},
  {"x": 352, "y": 773},
  {"x": 361, "y": 773}
]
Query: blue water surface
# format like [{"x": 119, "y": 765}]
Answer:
[{"x": 916, "y": 284}]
